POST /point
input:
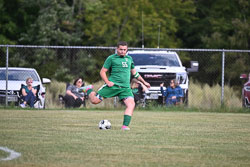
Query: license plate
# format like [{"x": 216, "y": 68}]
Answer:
[
  {"x": 12, "y": 98},
  {"x": 153, "y": 96}
]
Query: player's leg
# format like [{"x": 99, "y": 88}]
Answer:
[
  {"x": 130, "y": 105},
  {"x": 95, "y": 98},
  {"x": 103, "y": 92},
  {"x": 127, "y": 96}
]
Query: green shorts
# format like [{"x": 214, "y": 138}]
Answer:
[{"x": 115, "y": 90}]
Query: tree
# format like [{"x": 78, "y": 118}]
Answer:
[
  {"x": 15, "y": 19},
  {"x": 109, "y": 21},
  {"x": 55, "y": 25},
  {"x": 225, "y": 24},
  {"x": 220, "y": 24}
]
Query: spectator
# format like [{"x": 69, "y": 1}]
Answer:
[
  {"x": 28, "y": 93},
  {"x": 138, "y": 89},
  {"x": 173, "y": 93},
  {"x": 74, "y": 97}
]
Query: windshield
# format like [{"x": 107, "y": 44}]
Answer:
[
  {"x": 155, "y": 59},
  {"x": 18, "y": 75}
]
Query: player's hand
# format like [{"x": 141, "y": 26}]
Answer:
[
  {"x": 110, "y": 84},
  {"x": 147, "y": 84}
]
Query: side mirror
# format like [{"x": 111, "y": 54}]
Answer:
[
  {"x": 46, "y": 80},
  {"x": 194, "y": 66}
]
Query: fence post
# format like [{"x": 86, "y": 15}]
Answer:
[
  {"x": 222, "y": 78},
  {"x": 7, "y": 64}
]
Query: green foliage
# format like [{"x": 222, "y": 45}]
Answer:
[
  {"x": 195, "y": 24},
  {"x": 85, "y": 66},
  {"x": 169, "y": 24},
  {"x": 109, "y": 23},
  {"x": 55, "y": 25},
  {"x": 15, "y": 19},
  {"x": 229, "y": 24}
]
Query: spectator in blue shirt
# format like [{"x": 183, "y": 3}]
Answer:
[{"x": 173, "y": 93}]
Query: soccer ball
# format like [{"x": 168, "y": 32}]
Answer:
[{"x": 104, "y": 124}]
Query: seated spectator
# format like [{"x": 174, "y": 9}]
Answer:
[
  {"x": 74, "y": 94},
  {"x": 28, "y": 93},
  {"x": 138, "y": 89},
  {"x": 173, "y": 93}
]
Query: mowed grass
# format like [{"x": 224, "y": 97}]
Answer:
[{"x": 60, "y": 138}]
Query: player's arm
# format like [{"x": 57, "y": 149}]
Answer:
[
  {"x": 68, "y": 92},
  {"x": 104, "y": 77},
  {"x": 138, "y": 77}
]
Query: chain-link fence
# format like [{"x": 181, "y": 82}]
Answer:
[{"x": 216, "y": 83}]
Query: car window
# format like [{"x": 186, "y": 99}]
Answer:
[
  {"x": 18, "y": 75},
  {"x": 155, "y": 59}
]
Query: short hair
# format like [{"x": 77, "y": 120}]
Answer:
[
  {"x": 76, "y": 80},
  {"x": 122, "y": 43},
  {"x": 29, "y": 78}
]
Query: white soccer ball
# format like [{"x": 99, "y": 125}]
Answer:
[{"x": 104, "y": 124}]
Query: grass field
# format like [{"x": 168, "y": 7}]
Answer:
[{"x": 60, "y": 138}]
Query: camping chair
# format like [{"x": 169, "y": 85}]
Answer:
[
  {"x": 37, "y": 101},
  {"x": 62, "y": 99},
  {"x": 141, "y": 98}
]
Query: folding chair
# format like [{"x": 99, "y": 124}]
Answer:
[
  {"x": 37, "y": 100},
  {"x": 62, "y": 99}
]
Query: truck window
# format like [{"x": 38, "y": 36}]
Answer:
[
  {"x": 18, "y": 75},
  {"x": 155, "y": 59}
]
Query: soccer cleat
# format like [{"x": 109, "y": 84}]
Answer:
[
  {"x": 125, "y": 127},
  {"x": 85, "y": 88},
  {"x": 23, "y": 105}
]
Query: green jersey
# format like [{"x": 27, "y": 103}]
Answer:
[{"x": 120, "y": 69}]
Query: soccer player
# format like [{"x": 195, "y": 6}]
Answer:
[{"x": 121, "y": 67}]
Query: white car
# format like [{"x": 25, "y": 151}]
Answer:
[{"x": 16, "y": 77}]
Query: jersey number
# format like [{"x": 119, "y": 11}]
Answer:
[{"x": 124, "y": 64}]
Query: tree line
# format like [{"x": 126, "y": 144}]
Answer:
[{"x": 212, "y": 24}]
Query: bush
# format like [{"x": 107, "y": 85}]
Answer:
[{"x": 209, "y": 97}]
